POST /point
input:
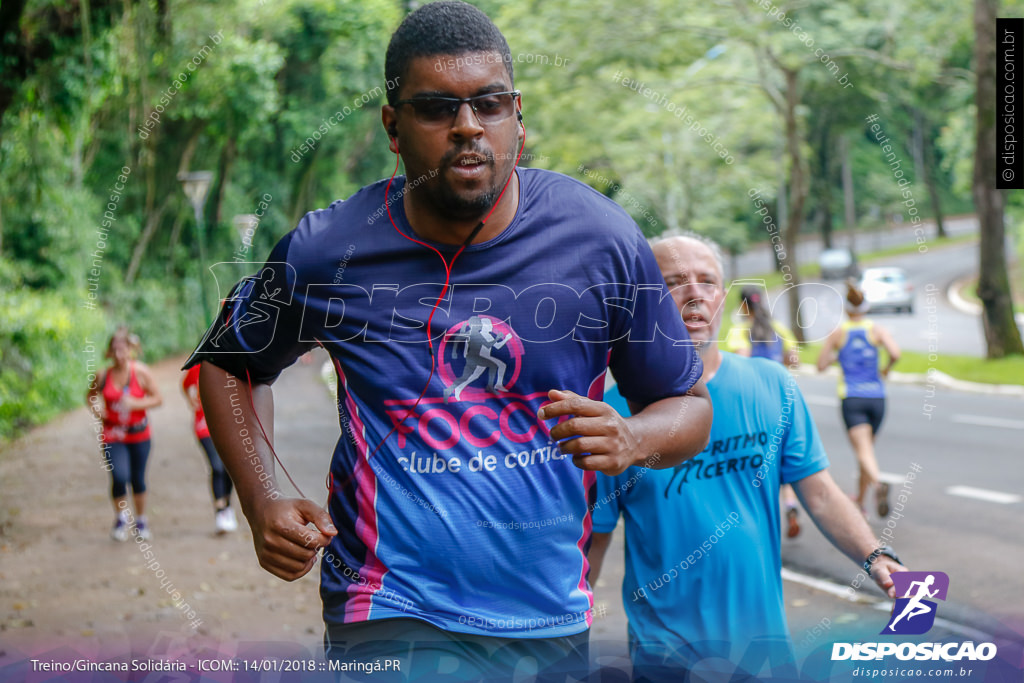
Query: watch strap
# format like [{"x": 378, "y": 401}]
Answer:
[{"x": 883, "y": 550}]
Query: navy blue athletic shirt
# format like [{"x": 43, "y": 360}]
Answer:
[{"x": 468, "y": 516}]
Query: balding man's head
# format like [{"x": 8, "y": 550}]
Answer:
[
  {"x": 692, "y": 268},
  {"x": 666, "y": 250}
]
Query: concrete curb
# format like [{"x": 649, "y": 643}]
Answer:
[
  {"x": 935, "y": 378},
  {"x": 941, "y": 379},
  {"x": 957, "y": 301}
]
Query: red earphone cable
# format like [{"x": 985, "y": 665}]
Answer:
[
  {"x": 265, "y": 438},
  {"x": 430, "y": 342},
  {"x": 444, "y": 290}
]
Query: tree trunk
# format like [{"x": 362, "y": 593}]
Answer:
[
  {"x": 302, "y": 188},
  {"x": 152, "y": 222},
  {"x": 163, "y": 22},
  {"x": 797, "y": 196},
  {"x": 179, "y": 221},
  {"x": 224, "y": 166},
  {"x": 12, "y": 53},
  {"x": 824, "y": 184},
  {"x": 929, "y": 173},
  {"x": 781, "y": 209},
  {"x": 190, "y": 149},
  {"x": 668, "y": 163},
  {"x": 917, "y": 143},
  {"x": 153, "y": 171},
  {"x": 933, "y": 194},
  {"x": 849, "y": 205},
  {"x": 1001, "y": 334}
]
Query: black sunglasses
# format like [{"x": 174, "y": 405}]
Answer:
[{"x": 489, "y": 109}]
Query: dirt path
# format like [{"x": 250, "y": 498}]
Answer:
[{"x": 65, "y": 584}]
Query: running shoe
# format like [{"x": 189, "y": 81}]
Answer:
[
  {"x": 882, "y": 496},
  {"x": 119, "y": 532},
  {"x": 793, "y": 526},
  {"x": 225, "y": 520},
  {"x": 142, "y": 529}
]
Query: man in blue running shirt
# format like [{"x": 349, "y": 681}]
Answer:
[
  {"x": 702, "y": 581},
  {"x": 480, "y": 307}
]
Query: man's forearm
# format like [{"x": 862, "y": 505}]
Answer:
[
  {"x": 836, "y": 515},
  {"x": 673, "y": 429},
  {"x": 237, "y": 435}
]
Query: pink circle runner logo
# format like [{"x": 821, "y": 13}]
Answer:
[{"x": 487, "y": 346}]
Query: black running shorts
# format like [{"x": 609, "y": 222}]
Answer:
[{"x": 858, "y": 411}]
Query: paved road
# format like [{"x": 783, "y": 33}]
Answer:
[
  {"x": 973, "y": 533},
  {"x": 934, "y": 326},
  {"x": 759, "y": 260}
]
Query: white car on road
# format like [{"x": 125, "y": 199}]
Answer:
[{"x": 887, "y": 288}]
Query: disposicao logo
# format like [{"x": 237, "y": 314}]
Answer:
[{"x": 914, "y": 614}]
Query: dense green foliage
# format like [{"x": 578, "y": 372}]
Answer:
[{"x": 94, "y": 90}]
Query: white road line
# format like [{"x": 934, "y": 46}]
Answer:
[
  {"x": 830, "y": 401},
  {"x": 885, "y": 605},
  {"x": 844, "y": 592},
  {"x": 890, "y": 478},
  {"x": 985, "y": 421},
  {"x": 984, "y": 494}
]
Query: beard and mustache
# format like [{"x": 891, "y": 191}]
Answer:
[{"x": 459, "y": 206}]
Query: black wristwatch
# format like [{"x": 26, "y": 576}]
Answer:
[{"x": 884, "y": 550}]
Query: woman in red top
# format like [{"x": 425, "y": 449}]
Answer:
[
  {"x": 220, "y": 482},
  {"x": 127, "y": 389}
]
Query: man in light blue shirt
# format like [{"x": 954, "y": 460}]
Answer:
[{"x": 702, "y": 581}]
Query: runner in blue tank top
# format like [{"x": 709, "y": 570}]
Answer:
[{"x": 855, "y": 346}]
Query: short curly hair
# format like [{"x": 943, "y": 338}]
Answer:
[{"x": 441, "y": 28}]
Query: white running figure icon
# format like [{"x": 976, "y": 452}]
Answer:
[
  {"x": 914, "y": 607},
  {"x": 475, "y": 337}
]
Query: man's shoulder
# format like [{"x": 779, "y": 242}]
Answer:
[
  {"x": 751, "y": 372},
  {"x": 543, "y": 177},
  {"x": 350, "y": 223},
  {"x": 567, "y": 190},
  {"x": 556, "y": 199},
  {"x": 351, "y": 213}
]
